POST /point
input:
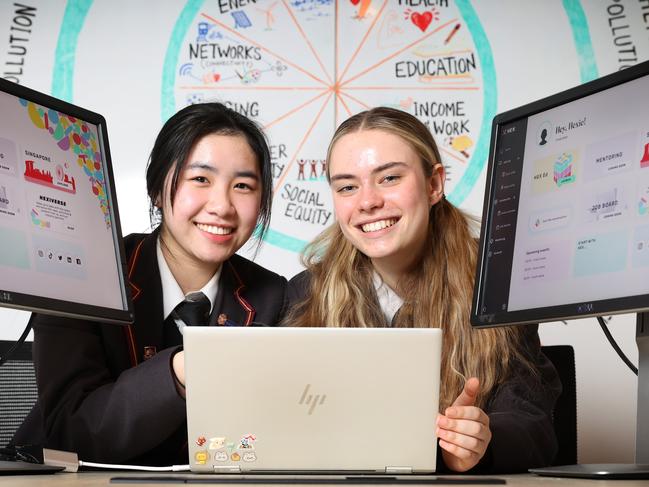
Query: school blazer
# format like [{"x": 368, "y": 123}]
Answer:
[{"x": 107, "y": 392}]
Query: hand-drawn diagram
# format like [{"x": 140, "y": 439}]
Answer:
[{"x": 300, "y": 67}]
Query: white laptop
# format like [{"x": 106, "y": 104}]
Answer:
[{"x": 312, "y": 400}]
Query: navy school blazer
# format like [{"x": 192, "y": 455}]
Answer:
[{"x": 107, "y": 392}]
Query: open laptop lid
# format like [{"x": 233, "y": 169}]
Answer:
[{"x": 312, "y": 399}]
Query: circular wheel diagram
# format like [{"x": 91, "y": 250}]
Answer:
[{"x": 301, "y": 67}]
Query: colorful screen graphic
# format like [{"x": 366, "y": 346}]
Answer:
[{"x": 57, "y": 232}]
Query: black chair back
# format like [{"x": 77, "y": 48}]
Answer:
[
  {"x": 18, "y": 390},
  {"x": 565, "y": 411}
]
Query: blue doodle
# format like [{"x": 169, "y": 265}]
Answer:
[{"x": 241, "y": 19}]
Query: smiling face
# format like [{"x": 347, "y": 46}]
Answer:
[
  {"x": 382, "y": 197},
  {"x": 215, "y": 208}
]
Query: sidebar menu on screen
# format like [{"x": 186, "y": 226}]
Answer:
[{"x": 503, "y": 211}]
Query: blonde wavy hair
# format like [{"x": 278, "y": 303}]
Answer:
[{"x": 437, "y": 293}]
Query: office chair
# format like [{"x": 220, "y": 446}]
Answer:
[
  {"x": 564, "y": 417},
  {"x": 18, "y": 391}
]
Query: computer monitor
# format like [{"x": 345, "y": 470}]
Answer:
[
  {"x": 565, "y": 229},
  {"x": 62, "y": 250}
]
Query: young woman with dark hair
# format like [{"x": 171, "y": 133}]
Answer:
[
  {"x": 116, "y": 394},
  {"x": 401, "y": 255}
]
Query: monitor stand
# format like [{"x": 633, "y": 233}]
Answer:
[{"x": 639, "y": 469}]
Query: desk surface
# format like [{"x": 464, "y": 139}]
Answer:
[{"x": 97, "y": 479}]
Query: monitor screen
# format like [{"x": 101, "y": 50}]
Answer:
[
  {"x": 565, "y": 230},
  {"x": 62, "y": 250}
]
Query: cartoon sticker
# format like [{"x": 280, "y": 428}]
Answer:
[
  {"x": 249, "y": 456},
  {"x": 235, "y": 457},
  {"x": 201, "y": 457},
  {"x": 247, "y": 442},
  {"x": 216, "y": 442},
  {"x": 200, "y": 441},
  {"x": 221, "y": 456}
]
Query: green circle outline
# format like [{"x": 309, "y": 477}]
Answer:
[
  {"x": 477, "y": 162},
  {"x": 74, "y": 17},
  {"x": 77, "y": 10}
]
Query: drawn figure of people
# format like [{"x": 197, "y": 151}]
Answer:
[{"x": 300, "y": 174}]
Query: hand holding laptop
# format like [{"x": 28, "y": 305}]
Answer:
[
  {"x": 178, "y": 369},
  {"x": 463, "y": 431}
]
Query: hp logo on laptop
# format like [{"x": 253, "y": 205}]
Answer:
[{"x": 311, "y": 400}]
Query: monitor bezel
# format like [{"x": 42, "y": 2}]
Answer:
[
  {"x": 629, "y": 304},
  {"x": 58, "y": 307}
]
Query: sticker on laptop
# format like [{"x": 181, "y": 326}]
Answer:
[
  {"x": 249, "y": 456},
  {"x": 221, "y": 456},
  {"x": 200, "y": 441},
  {"x": 247, "y": 442},
  {"x": 201, "y": 457},
  {"x": 216, "y": 443},
  {"x": 235, "y": 457}
]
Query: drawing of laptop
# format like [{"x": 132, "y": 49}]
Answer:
[{"x": 312, "y": 400}]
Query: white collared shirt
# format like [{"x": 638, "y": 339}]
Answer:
[
  {"x": 172, "y": 295},
  {"x": 389, "y": 301}
]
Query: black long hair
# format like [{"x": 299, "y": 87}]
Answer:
[{"x": 179, "y": 135}]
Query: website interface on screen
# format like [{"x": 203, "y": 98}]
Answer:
[
  {"x": 56, "y": 226},
  {"x": 570, "y": 204}
]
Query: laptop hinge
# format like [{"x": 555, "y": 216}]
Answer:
[
  {"x": 398, "y": 470},
  {"x": 227, "y": 469}
]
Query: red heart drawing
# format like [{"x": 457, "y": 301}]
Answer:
[
  {"x": 355, "y": 2},
  {"x": 422, "y": 20}
]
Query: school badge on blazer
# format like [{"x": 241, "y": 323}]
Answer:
[{"x": 149, "y": 352}]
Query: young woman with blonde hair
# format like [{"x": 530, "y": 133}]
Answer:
[{"x": 401, "y": 255}]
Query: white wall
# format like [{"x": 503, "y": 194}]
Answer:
[{"x": 118, "y": 55}]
